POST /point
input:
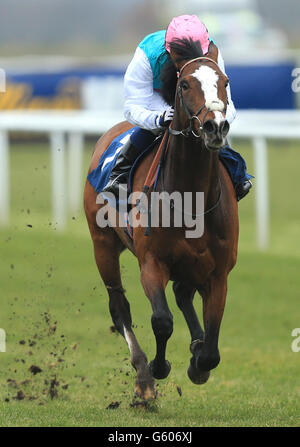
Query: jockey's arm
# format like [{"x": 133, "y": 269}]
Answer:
[
  {"x": 143, "y": 105},
  {"x": 231, "y": 110}
]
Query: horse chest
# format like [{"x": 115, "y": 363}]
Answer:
[{"x": 193, "y": 265}]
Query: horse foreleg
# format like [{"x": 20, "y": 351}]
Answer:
[
  {"x": 107, "y": 248},
  {"x": 154, "y": 278},
  {"x": 184, "y": 298},
  {"x": 206, "y": 355},
  {"x": 184, "y": 295}
]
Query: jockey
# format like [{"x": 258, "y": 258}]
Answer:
[{"x": 146, "y": 108}]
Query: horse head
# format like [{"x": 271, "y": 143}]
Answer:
[{"x": 201, "y": 101}]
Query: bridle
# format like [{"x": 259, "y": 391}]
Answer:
[
  {"x": 189, "y": 131},
  {"x": 186, "y": 133},
  {"x": 191, "y": 116}
]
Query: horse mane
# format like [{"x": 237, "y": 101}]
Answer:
[{"x": 186, "y": 49}]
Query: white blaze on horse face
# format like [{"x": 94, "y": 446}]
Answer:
[
  {"x": 208, "y": 79},
  {"x": 218, "y": 117}
]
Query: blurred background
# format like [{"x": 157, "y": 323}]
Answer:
[{"x": 58, "y": 54}]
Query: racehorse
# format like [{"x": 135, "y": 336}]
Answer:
[{"x": 191, "y": 163}]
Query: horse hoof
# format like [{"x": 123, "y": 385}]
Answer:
[
  {"x": 198, "y": 377},
  {"x": 145, "y": 391},
  {"x": 160, "y": 372}
]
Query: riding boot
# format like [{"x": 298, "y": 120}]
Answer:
[
  {"x": 237, "y": 169},
  {"x": 242, "y": 189},
  {"x": 120, "y": 172}
]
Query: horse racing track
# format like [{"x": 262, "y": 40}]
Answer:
[{"x": 64, "y": 364}]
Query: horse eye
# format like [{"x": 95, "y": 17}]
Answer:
[{"x": 184, "y": 85}]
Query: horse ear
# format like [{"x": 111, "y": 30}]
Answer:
[{"x": 213, "y": 52}]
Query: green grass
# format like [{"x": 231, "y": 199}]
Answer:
[{"x": 53, "y": 299}]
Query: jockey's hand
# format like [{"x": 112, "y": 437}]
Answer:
[{"x": 165, "y": 119}]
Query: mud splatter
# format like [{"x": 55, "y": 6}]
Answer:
[
  {"x": 20, "y": 395},
  {"x": 50, "y": 354},
  {"x": 35, "y": 369},
  {"x": 179, "y": 391},
  {"x": 113, "y": 405},
  {"x": 53, "y": 390}
]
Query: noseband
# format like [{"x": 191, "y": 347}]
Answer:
[{"x": 189, "y": 130}]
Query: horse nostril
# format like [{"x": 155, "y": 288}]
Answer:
[
  {"x": 209, "y": 127},
  {"x": 224, "y": 128}
]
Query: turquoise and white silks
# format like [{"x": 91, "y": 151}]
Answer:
[{"x": 143, "y": 102}]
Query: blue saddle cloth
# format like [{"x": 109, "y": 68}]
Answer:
[{"x": 98, "y": 178}]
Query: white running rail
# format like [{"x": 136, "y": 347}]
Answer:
[{"x": 66, "y": 188}]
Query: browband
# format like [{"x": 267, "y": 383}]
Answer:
[{"x": 196, "y": 59}]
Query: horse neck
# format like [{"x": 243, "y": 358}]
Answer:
[{"x": 190, "y": 167}]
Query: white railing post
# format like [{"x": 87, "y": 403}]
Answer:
[
  {"x": 75, "y": 164},
  {"x": 4, "y": 178},
  {"x": 59, "y": 192},
  {"x": 262, "y": 191}
]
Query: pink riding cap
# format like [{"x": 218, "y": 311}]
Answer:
[{"x": 189, "y": 27}]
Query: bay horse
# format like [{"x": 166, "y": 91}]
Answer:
[{"x": 198, "y": 131}]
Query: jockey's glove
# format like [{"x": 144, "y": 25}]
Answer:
[{"x": 165, "y": 119}]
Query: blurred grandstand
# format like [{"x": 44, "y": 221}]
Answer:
[{"x": 257, "y": 52}]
